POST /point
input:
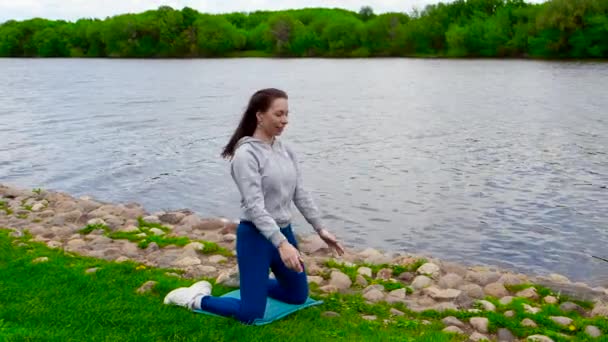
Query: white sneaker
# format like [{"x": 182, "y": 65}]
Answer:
[
  {"x": 202, "y": 288},
  {"x": 180, "y": 296}
]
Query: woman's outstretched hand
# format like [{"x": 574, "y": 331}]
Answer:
[{"x": 331, "y": 241}]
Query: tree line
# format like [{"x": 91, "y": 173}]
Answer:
[{"x": 462, "y": 28}]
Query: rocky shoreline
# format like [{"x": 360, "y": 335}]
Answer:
[{"x": 196, "y": 247}]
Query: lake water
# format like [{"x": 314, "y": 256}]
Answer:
[{"x": 479, "y": 161}]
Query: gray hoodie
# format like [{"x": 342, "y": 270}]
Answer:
[{"x": 269, "y": 179}]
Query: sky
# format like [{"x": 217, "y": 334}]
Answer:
[{"x": 76, "y": 9}]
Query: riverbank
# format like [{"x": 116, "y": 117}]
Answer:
[{"x": 385, "y": 288}]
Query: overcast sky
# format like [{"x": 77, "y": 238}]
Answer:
[{"x": 75, "y": 9}]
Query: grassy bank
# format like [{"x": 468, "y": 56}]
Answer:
[{"x": 58, "y": 301}]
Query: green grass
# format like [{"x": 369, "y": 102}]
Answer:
[{"x": 57, "y": 301}]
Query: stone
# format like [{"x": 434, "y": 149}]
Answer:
[
  {"x": 441, "y": 307},
  {"x": 451, "y": 320},
  {"x": 172, "y": 218},
  {"x": 195, "y": 246},
  {"x": 329, "y": 289},
  {"x": 453, "y": 330},
  {"x": 151, "y": 219},
  {"x": 472, "y": 290},
  {"x": 509, "y": 314},
  {"x": 153, "y": 247},
  {"x": 539, "y": 338},
  {"x": 480, "y": 324},
  {"x": 373, "y": 287},
  {"x": 396, "y": 312},
  {"x": 315, "y": 279},
  {"x": 442, "y": 294},
  {"x": 506, "y": 300},
  {"x": 531, "y": 309},
  {"x": 157, "y": 232},
  {"x": 398, "y": 293},
  {"x": 505, "y": 335},
  {"x": 76, "y": 244},
  {"x": 463, "y": 301},
  {"x": 558, "y": 278},
  {"x": 217, "y": 259},
  {"x": 482, "y": 278},
  {"x": 421, "y": 282},
  {"x": 450, "y": 281},
  {"x": 330, "y": 314},
  {"x": 91, "y": 270},
  {"x": 187, "y": 261},
  {"x": 230, "y": 278},
  {"x": 340, "y": 280},
  {"x": 46, "y": 214},
  {"x": 487, "y": 306},
  {"x": 37, "y": 207},
  {"x": 113, "y": 222},
  {"x": 406, "y": 277},
  {"x": 478, "y": 337},
  {"x": 529, "y": 293},
  {"x": 497, "y": 290},
  {"x": 550, "y": 300},
  {"x": 429, "y": 269},
  {"x": 526, "y": 322},
  {"x": 600, "y": 310},
  {"x": 40, "y": 260},
  {"x": 54, "y": 244},
  {"x": 96, "y": 221},
  {"x": 510, "y": 279},
  {"x": 146, "y": 287},
  {"x": 361, "y": 281},
  {"x": 374, "y": 295},
  {"x": 229, "y": 237},
  {"x": 369, "y": 317},
  {"x": 384, "y": 274},
  {"x": 561, "y": 320},
  {"x": 121, "y": 259},
  {"x": 313, "y": 245},
  {"x": 569, "y": 307},
  {"x": 593, "y": 331},
  {"x": 366, "y": 271}
]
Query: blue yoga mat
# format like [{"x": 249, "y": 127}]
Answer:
[{"x": 274, "y": 309}]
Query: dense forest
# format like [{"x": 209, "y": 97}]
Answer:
[{"x": 463, "y": 28}]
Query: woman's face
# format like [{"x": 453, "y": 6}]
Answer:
[{"x": 274, "y": 120}]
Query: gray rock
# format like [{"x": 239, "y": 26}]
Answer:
[
  {"x": 482, "y": 278},
  {"x": 396, "y": 312},
  {"x": 121, "y": 259},
  {"x": 91, "y": 270},
  {"x": 593, "y": 331},
  {"x": 229, "y": 237},
  {"x": 172, "y": 218},
  {"x": 509, "y": 314},
  {"x": 451, "y": 320},
  {"x": 406, "y": 277},
  {"x": 442, "y": 294},
  {"x": 147, "y": 287},
  {"x": 505, "y": 335},
  {"x": 550, "y": 300},
  {"x": 472, "y": 290},
  {"x": 151, "y": 219},
  {"x": 315, "y": 279},
  {"x": 526, "y": 322},
  {"x": 506, "y": 300},
  {"x": 569, "y": 307},
  {"x": 450, "y": 281},
  {"x": 330, "y": 314},
  {"x": 340, "y": 280},
  {"x": 487, "y": 306},
  {"x": 453, "y": 330},
  {"x": 230, "y": 278},
  {"x": 421, "y": 282},
  {"x": 529, "y": 293},
  {"x": 366, "y": 271},
  {"x": 186, "y": 262},
  {"x": 480, "y": 324},
  {"x": 600, "y": 310},
  {"x": 374, "y": 296},
  {"x": 429, "y": 269},
  {"x": 361, "y": 281},
  {"x": 441, "y": 307},
  {"x": 384, "y": 274},
  {"x": 497, "y": 290},
  {"x": 369, "y": 317},
  {"x": 561, "y": 320},
  {"x": 509, "y": 279},
  {"x": 40, "y": 260},
  {"x": 216, "y": 259},
  {"x": 463, "y": 301},
  {"x": 531, "y": 309},
  {"x": 539, "y": 338},
  {"x": 478, "y": 337}
]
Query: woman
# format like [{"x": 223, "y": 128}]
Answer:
[{"x": 268, "y": 177}]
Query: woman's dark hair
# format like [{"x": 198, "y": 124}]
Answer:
[{"x": 259, "y": 102}]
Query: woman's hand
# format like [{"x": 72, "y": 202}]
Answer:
[
  {"x": 331, "y": 241},
  {"x": 291, "y": 256}
]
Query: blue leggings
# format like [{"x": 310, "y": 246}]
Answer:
[{"x": 255, "y": 255}]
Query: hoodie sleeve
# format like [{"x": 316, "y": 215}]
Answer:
[
  {"x": 246, "y": 175},
  {"x": 303, "y": 199}
]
